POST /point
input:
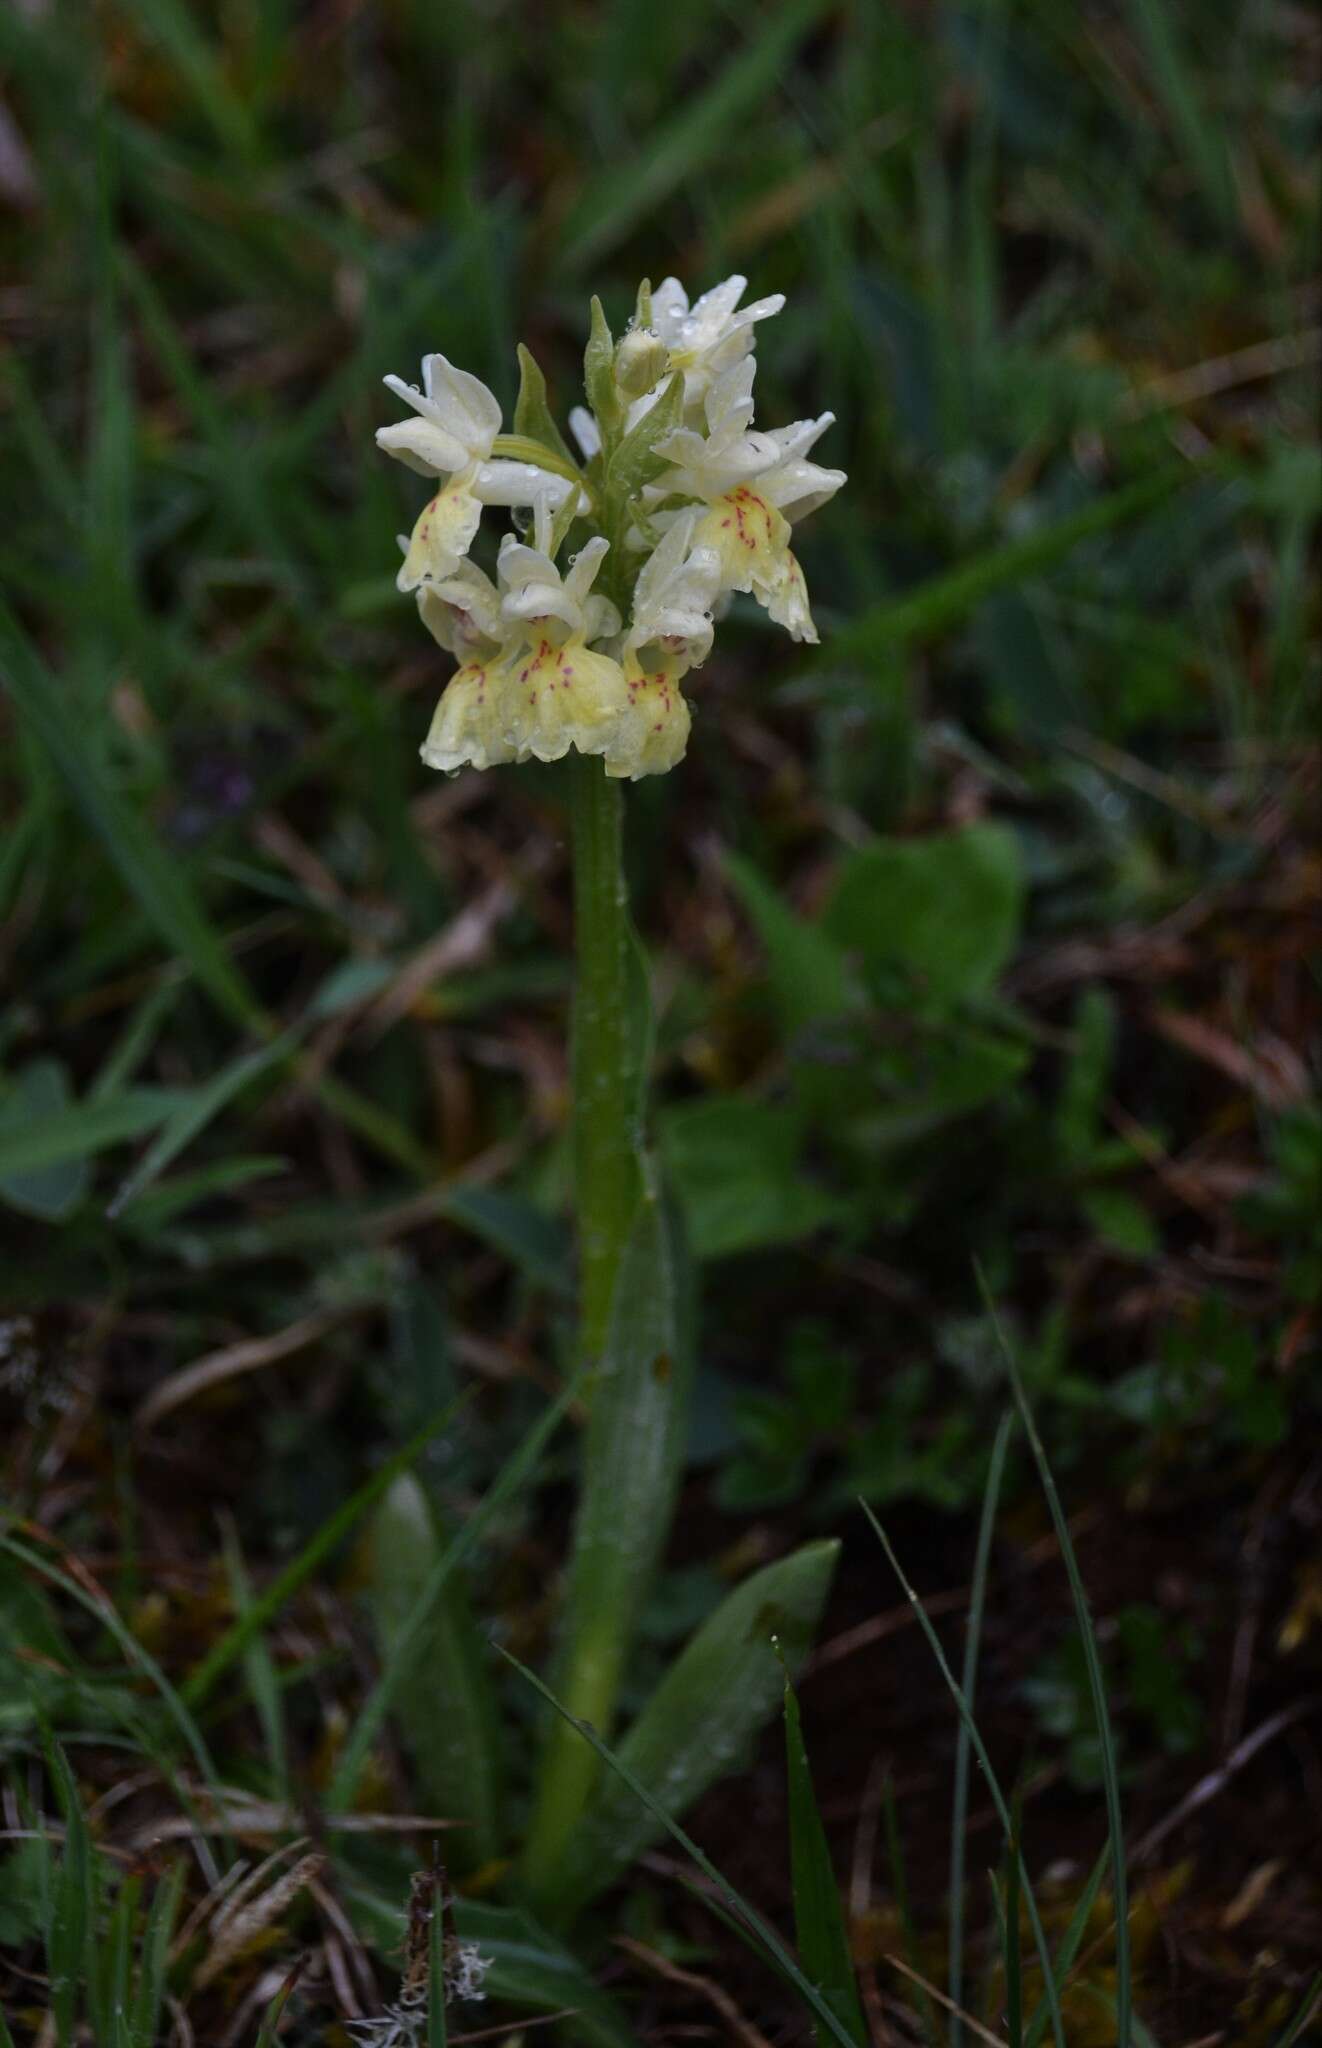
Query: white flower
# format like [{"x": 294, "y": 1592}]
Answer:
[
  {"x": 711, "y": 335},
  {"x": 457, "y": 422},
  {"x": 558, "y": 692},
  {"x": 754, "y": 485},
  {"x": 585, "y": 431},
  {"x": 545, "y": 662},
  {"x": 535, "y": 596},
  {"x": 706, "y": 465},
  {"x": 670, "y": 632},
  {"x": 462, "y": 613},
  {"x": 468, "y": 726},
  {"x": 530, "y": 686}
]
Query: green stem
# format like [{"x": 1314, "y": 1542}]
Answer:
[
  {"x": 606, "y": 1187},
  {"x": 605, "y": 1162}
]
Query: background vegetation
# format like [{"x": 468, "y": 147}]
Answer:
[{"x": 987, "y": 931}]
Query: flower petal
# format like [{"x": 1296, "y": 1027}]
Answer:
[
  {"x": 468, "y": 729},
  {"x": 461, "y": 402},
  {"x": 651, "y": 736},
  {"x": 423, "y": 445},
  {"x": 521, "y": 483},
  {"x": 563, "y": 697},
  {"x": 443, "y": 533}
]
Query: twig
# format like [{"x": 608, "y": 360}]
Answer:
[
  {"x": 233, "y": 1359},
  {"x": 975, "y": 2026},
  {"x": 1216, "y": 1781},
  {"x": 721, "y": 2001}
]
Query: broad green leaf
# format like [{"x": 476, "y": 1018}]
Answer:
[
  {"x": 736, "y": 1169},
  {"x": 819, "y": 1920},
  {"x": 36, "y": 1137},
  {"x": 412, "y": 1629},
  {"x": 633, "y": 1453},
  {"x": 701, "y": 1719},
  {"x": 40, "y": 1091},
  {"x": 444, "y": 1701},
  {"x": 809, "y": 973},
  {"x": 944, "y": 912}
]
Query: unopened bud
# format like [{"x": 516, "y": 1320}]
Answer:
[{"x": 640, "y": 361}]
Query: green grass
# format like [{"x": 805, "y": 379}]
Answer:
[{"x": 981, "y": 933}]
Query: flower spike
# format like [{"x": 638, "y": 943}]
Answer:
[{"x": 700, "y": 504}]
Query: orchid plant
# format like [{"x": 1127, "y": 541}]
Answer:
[{"x": 618, "y": 562}]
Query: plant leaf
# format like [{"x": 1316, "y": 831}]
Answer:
[
  {"x": 533, "y": 417},
  {"x": 819, "y": 1920},
  {"x": 515, "y": 1473},
  {"x": 444, "y": 1701},
  {"x": 809, "y": 974},
  {"x": 632, "y": 1452},
  {"x": 701, "y": 1718}
]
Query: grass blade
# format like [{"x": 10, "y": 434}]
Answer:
[
  {"x": 819, "y": 1920},
  {"x": 72, "y": 1931},
  {"x": 200, "y": 1683},
  {"x": 619, "y": 199},
  {"x": 196, "y": 1112},
  {"x": 81, "y": 1129},
  {"x": 156, "y": 882},
  {"x": 1200, "y": 137},
  {"x": 980, "y": 1751},
  {"x": 160, "y": 888},
  {"x": 1069, "y": 1947},
  {"x": 968, "y": 1685},
  {"x": 945, "y": 600},
  {"x": 1096, "y": 1683},
  {"x": 155, "y": 1953},
  {"x": 269, "y": 2032},
  {"x": 1014, "y": 1975},
  {"x": 131, "y": 1647},
  {"x": 1312, "y": 1999},
  {"x": 773, "y": 1948},
  {"x": 437, "y": 2032}
]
